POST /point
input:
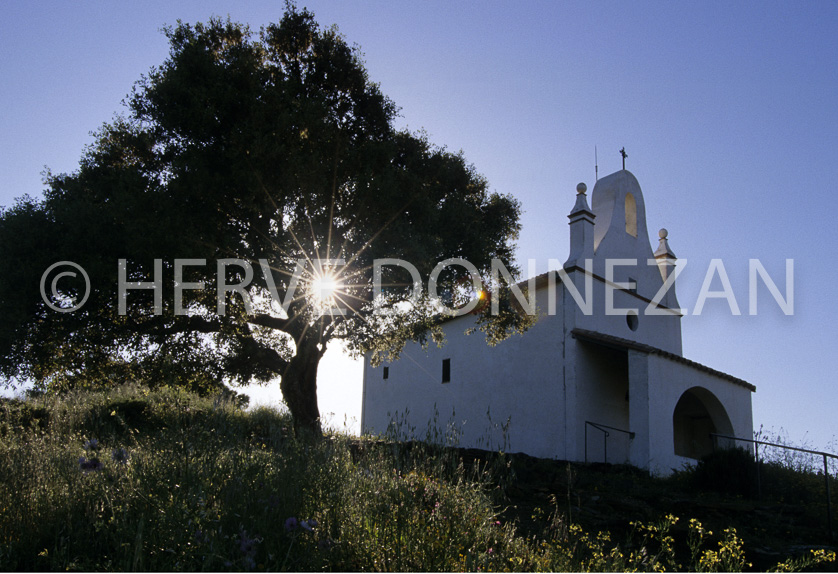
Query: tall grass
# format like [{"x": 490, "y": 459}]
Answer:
[{"x": 134, "y": 479}]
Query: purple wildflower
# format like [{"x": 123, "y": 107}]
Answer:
[
  {"x": 119, "y": 455},
  {"x": 291, "y": 524},
  {"x": 247, "y": 545},
  {"x": 92, "y": 444}
]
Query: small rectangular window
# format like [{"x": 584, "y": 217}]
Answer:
[
  {"x": 386, "y": 373},
  {"x": 446, "y": 370}
]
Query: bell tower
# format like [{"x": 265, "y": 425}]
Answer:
[{"x": 628, "y": 274}]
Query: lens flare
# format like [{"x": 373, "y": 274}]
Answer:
[{"x": 324, "y": 288}]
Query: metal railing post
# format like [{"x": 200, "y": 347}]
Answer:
[
  {"x": 826, "y": 456},
  {"x": 586, "y": 442},
  {"x": 759, "y": 478},
  {"x": 828, "y": 498},
  {"x": 605, "y": 447},
  {"x": 605, "y": 434}
]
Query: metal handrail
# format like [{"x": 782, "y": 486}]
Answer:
[
  {"x": 601, "y": 427},
  {"x": 825, "y": 455},
  {"x": 820, "y": 452}
]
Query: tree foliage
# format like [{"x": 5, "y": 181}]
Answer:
[{"x": 267, "y": 148}]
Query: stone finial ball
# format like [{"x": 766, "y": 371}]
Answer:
[
  {"x": 663, "y": 233},
  {"x": 581, "y": 188}
]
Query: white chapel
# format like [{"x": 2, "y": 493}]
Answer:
[{"x": 599, "y": 377}]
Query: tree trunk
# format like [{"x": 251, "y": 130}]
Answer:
[{"x": 299, "y": 389}]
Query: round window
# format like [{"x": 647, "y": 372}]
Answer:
[{"x": 632, "y": 320}]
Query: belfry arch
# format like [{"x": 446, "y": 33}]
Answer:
[
  {"x": 631, "y": 215},
  {"x": 697, "y": 414}
]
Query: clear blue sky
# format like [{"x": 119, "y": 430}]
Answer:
[{"x": 728, "y": 111}]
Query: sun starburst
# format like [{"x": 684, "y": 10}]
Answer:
[{"x": 324, "y": 289}]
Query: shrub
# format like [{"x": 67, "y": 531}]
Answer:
[{"x": 729, "y": 471}]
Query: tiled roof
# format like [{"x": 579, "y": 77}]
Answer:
[{"x": 621, "y": 343}]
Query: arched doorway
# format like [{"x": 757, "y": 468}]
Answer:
[{"x": 697, "y": 414}]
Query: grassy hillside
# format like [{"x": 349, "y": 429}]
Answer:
[{"x": 164, "y": 480}]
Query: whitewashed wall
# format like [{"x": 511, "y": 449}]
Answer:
[
  {"x": 519, "y": 380},
  {"x": 665, "y": 380}
]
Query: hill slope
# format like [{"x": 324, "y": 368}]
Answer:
[{"x": 164, "y": 480}]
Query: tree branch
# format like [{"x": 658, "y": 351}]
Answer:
[
  {"x": 194, "y": 323},
  {"x": 264, "y": 355},
  {"x": 269, "y": 321}
]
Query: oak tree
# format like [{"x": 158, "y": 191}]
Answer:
[{"x": 250, "y": 186}]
